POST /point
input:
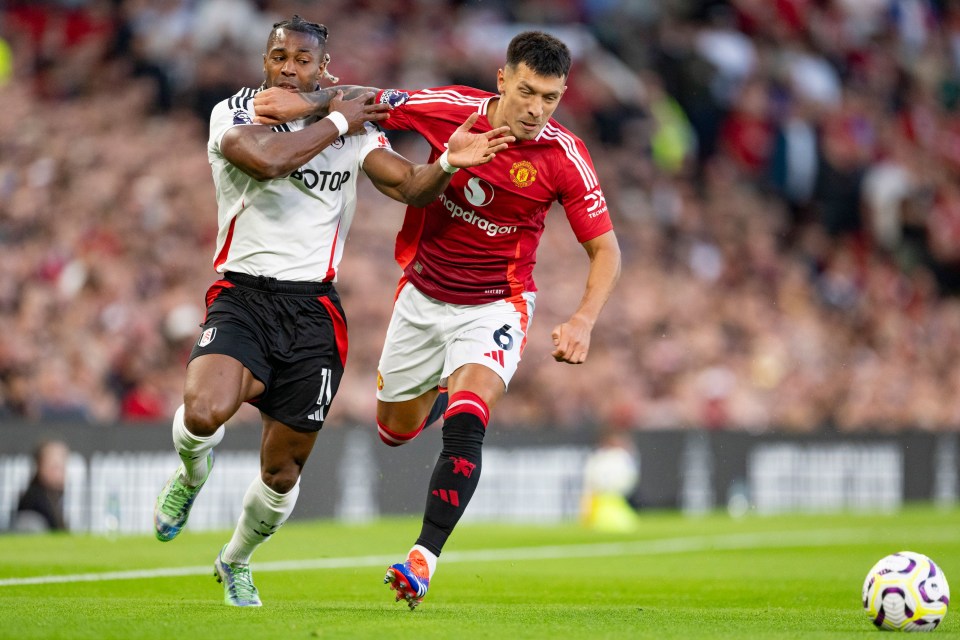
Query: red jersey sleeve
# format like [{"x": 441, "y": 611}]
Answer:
[
  {"x": 400, "y": 118},
  {"x": 579, "y": 189}
]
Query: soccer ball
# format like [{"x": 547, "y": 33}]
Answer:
[{"x": 906, "y": 591}]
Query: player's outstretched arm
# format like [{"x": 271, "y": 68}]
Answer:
[
  {"x": 571, "y": 339},
  {"x": 264, "y": 154},
  {"x": 276, "y": 106},
  {"x": 420, "y": 184}
]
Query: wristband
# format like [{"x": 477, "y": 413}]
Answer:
[
  {"x": 340, "y": 121},
  {"x": 445, "y": 164}
]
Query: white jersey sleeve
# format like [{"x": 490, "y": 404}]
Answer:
[
  {"x": 293, "y": 227},
  {"x": 372, "y": 139},
  {"x": 237, "y": 110}
]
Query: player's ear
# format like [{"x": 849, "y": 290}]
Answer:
[
  {"x": 324, "y": 71},
  {"x": 322, "y": 68},
  {"x": 500, "y": 81}
]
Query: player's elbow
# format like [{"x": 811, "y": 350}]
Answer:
[
  {"x": 258, "y": 154},
  {"x": 605, "y": 248},
  {"x": 617, "y": 259},
  {"x": 616, "y": 266}
]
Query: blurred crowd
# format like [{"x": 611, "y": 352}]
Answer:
[{"x": 784, "y": 178}]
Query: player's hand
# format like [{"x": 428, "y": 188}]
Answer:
[
  {"x": 357, "y": 111},
  {"x": 276, "y": 106},
  {"x": 571, "y": 340},
  {"x": 465, "y": 149}
]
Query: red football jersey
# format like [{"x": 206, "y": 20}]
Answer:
[{"x": 477, "y": 242}]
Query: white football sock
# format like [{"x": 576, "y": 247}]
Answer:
[
  {"x": 193, "y": 449},
  {"x": 264, "y": 510},
  {"x": 428, "y": 556}
]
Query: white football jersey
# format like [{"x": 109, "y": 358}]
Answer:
[{"x": 291, "y": 228}]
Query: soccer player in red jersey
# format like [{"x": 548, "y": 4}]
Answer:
[{"x": 466, "y": 298}]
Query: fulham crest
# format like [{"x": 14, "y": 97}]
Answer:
[{"x": 207, "y": 337}]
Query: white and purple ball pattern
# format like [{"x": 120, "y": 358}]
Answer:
[{"x": 906, "y": 591}]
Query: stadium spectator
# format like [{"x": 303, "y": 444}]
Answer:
[
  {"x": 611, "y": 477},
  {"x": 40, "y": 507}
]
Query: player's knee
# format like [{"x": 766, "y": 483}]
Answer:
[
  {"x": 396, "y": 435},
  {"x": 392, "y": 443},
  {"x": 281, "y": 480},
  {"x": 203, "y": 416}
]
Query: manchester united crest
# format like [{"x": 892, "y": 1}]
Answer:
[{"x": 523, "y": 173}]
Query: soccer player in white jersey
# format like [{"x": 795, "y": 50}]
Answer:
[
  {"x": 275, "y": 334},
  {"x": 467, "y": 262}
]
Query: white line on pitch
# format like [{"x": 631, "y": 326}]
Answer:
[{"x": 771, "y": 540}]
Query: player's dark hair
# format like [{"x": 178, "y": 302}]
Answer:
[
  {"x": 296, "y": 23},
  {"x": 544, "y": 54}
]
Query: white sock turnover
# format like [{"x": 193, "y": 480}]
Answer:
[
  {"x": 264, "y": 510},
  {"x": 193, "y": 449}
]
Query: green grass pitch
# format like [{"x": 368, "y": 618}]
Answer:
[{"x": 675, "y": 577}]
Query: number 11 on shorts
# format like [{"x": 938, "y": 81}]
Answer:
[{"x": 326, "y": 396}]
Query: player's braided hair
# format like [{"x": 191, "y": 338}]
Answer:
[
  {"x": 317, "y": 30},
  {"x": 296, "y": 23},
  {"x": 543, "y": 53}
]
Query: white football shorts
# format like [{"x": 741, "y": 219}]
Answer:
[{"x": 428, "y": 340}]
